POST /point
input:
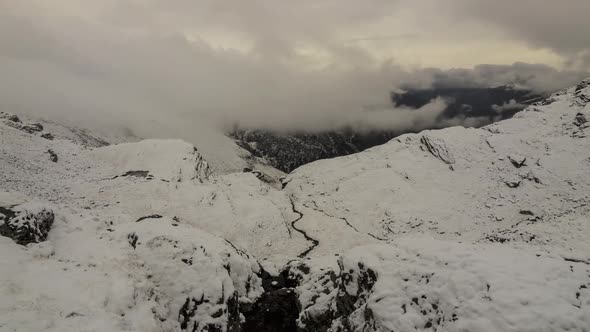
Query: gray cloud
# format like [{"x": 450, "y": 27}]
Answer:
[
  {"x": 562, "y": 26},
  {"x": 507, "y": 107},
  {"x": 536, "y": 77},
  {"x": 154, "y": 65}
]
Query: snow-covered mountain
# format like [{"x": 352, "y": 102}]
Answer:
[{"x": 448, "y": 230}]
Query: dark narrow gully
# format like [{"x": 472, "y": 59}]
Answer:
[
  {"x": 314, "y": 242},
  {"x": 277, "y": 309}
]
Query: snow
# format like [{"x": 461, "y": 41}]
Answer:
[
  {"x": 89, "y": 277},
  {"x": 424, "y": 282},
  {"x": 157, "y": 157},
  {"x": 462, "y": 189},
  {"x": 442, "y": 214}
]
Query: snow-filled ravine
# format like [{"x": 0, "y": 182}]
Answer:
[{"x": 449, "y": 230}]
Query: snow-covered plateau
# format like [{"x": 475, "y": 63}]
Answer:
[{"x": 448, "y": 230}]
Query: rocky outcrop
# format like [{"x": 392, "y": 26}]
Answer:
[
  {"x": 581, "y": 95},
  {"x": 33, "y": 128},
  {"x": 10, "y": 117},
  {"x": 48, "y": 136},
  {"x": 212, "y": 280},
  {"x": 28, "y": 128},
  {"x": 153, "y": 216},
  {"x": 517, "y": 161},
  {"x": 229, "y": 310},
  {"x": 53, "y": 156},
  {"x": 426, "y": 285},
  {"x": 329, "y": 298},
  {"x": 438, "y": 149},
  {"x": 580, "y": 120},
  {"x": 26, "y": 224},
  {"x": 203, "y": 171}
]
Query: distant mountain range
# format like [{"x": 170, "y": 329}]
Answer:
[{"x": 287, "y": 151}]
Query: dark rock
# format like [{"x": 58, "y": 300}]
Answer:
[
  {"x": 517, "y": 161},
  {"x": 532, "y": 177},
  {"x": 48, "y": 136},
  {"x": 87, "y": 139},
  {"x": 438, "y": 149},
  {"x": 24, "y": 226},
  {"x": 509, "y": 235},
  {"x": 580, "y": 119},
  {"x": 346, "y": 303},
  {"x": 28, "y": 128},
  {"x": 132, "y": 238},
  {"x": 365, "y": 280},
  {"x": 582, "y": 100},
  {"x": 74, "y": 314},
  {"x": 10, "y": 117},
  {"x": 295, "y": 273},
  {"x": 153, "y": 216},
  {"x": 233, "y": 314},
  {"x": 317, "y": 317},
  {"x": 343, "y": 304},
  {"x": 187, "y": 312},
  {"x": 137, "y": 174},
  {"x": 52, "y": 155},
  {"x": 582, "y": 85},
  {"x": 37, "y": 127},
  {"x": 230, "y": 310},
  {"x": 513, "y": 183}
]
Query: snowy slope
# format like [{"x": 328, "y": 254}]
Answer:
[
  {"x": 522, "y": 180},
  {"x": 81, "y": 136},
  {"x": 156, "y": 157},
  {"x": 451, "y": 230},
  {"x": 421, "y": 284},
  {"x": 88, "y": 277}
]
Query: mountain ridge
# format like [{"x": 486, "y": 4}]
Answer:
[{"x": 471, "y": 106}]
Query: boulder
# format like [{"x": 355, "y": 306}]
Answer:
[{"x": 26, "y": 224}]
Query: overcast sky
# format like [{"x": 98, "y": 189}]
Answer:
[{"x": 279, "y": 63}]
